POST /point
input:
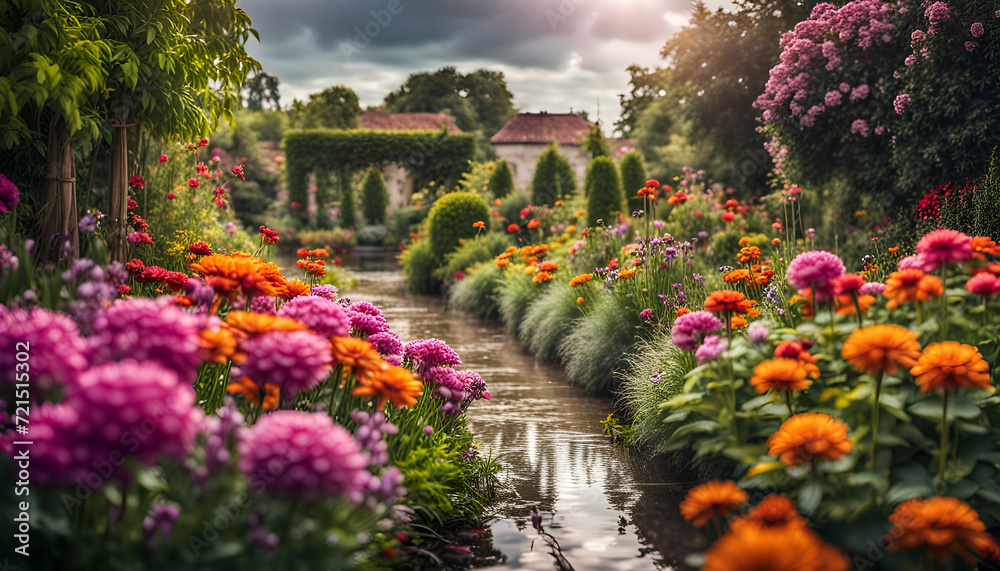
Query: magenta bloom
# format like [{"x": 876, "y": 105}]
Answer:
[
  {"x": 293, "y": 360},
  {"x": 475, "y": 386},
  {"x": 976, "y": 29},
  {"x": 367, "y": 319},
  {"x": 324, "y": 291},
  {"x": 915, "y": 262},
  {"x": 324, "y": 317},
  {"x": 757, "y": 333},
  {"x": 9, "y": 195},
  {"x": 149, "y": 330},
  {"x": 263, "y": 304},
  {"x": 815, "y": 269},
  {"x": 902, "y": 102},
  {"x": 984, "y": 284},
  {"x": 872, "y": 288},
  {"x": 139, "y": 238},
  {"x": 444, "y": 376},
  {"x": 430, "y": 353},
  {"x": 690, "y": 327},
  {"x": 386, "y": 343},
  {"x": 710, "y": 349},
  {"x": 937, "y": 13},
  {"x": 945, "y": 247},
  {"x": 302, "y": 453},
  {"x": 56, "y": 351}
]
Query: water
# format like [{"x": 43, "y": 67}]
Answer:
[{"x": 605, "y": 509}]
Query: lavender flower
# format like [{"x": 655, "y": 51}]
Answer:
[
  {"x": 387, "y": 488},
  {"x": 757, "y": 333},
  {"x": 158, "y": 522},
  {"x": 8, "y": 261},
  {"x": 371, "y": 427}
]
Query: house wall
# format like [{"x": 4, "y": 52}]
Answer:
[
  {"x": 523, "y": 157},
  {"x": 399, "y": 184}
]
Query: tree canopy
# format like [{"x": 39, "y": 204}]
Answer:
[{"x": 335, "y": 107}]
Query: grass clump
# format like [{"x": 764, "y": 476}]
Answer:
[
  {"x": 477, "y": 293},
  {"x": 548, "y": 319},
  {"x": 592, "y": 352}
]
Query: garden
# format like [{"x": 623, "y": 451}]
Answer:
[{"x": 793, "y": 311}]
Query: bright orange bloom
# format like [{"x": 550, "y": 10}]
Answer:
[
  {"x": 941, "y": 527},
  {"x": 711, "y": 500},
  {"x": 845, "y": 304},
  {"x": 542, "y": 277},
  {"x": 781, "y": 375},
  {"x": 502, "y": 262},
  {"x": 738, "y": 275},
  {"x": 533, "y": 223},
  {"x": 749, "y": 254},
  {"x": 256, "y": 323},
  {"x": 809, "y": 436},
  {"x": 950, "y": 365},
  {"x": 357, "y": 355},
  {"x": 219, "y": 345},
  {"x": 776, "y": 242},
  {"x": 737, "y": 321},
  {"x": 295, "y": 288},
  {"x": 394, "y": 384},
  {"x": 726, "y": 300},
  {"x": 580, "y": 279},
  {"x": 911, "y": 285},
  {"x": 250, "y": 391},
  {"x": 984, "y": 246},
  {"x": 579, "y": 300},
  {"x": 623, "y": 274},
  {"x": 773, "y": 511},
  {"x": 744, "y": 241},
  {"x": 795, "y": 350},
  {"x": 881, "y": 349},
  {"x": 762, "y": 548},
  {"x": 682, "y": 311},
  {"x": 548, "y": 266},
  {"x": 234, "y": 276},
  {"x": 478, "y": 224},
  {"x": 321, "y": 253}
]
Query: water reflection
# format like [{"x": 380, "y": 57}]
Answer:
[{"x": 606, "y": 510}]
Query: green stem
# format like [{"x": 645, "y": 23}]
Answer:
[
  {"x": 944, "y": 299},
  {"x": 788, "y": 401},
  {"x": 857, "y": 308},
  {"x": 920, "y": 313},
  {"x": 875, "y": 410},
  {"x": 944, "y": 440}
]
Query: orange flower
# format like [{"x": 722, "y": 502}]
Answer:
[
  {"x": 391, "y": 383},
  {"x": 219, "y": 345},
  {"x": 234, "y": 276},
  {"x": 773, "y": 511},
  {"x": 478, "y": 224},
  {"x": 736, "y": 276},
  {"x": 548, "y": 266},
  {"x": 761, "y": 548},
  {"x": 984, "y": 246},
  {"x": 748, "y": 254},
  {"x": 776, "y": 242},
  {"x": 502, "y": 262},
  {"x": 250, "y": 391},
  {"x": 711, "y": 500},
  {"x": 580, "y": 300},
  {"x": 744, "y": 242},
  {"x": 624, "y": 274},
  {"x": 795, "y": 350},
  {"x": 580, "y": 279},
  {"x": 533, "y": 223},
  {"x": 357, "y": 355},
  {"x": 542, "y": 277},
  {"x": 845, "y": 304},
  {"x": 256, "y": 323},
  {"x": 949, "y": 365},
  {"x": 780, "y": 374},
  {"x": 295, "y": 288},
  {"x": 726, "y": 300},
  {"x": 881, "y": 349},
  {"x": 911, "y": 285},
  {"x": 682, "y": 311},
  {"x": 809, "y": 436},
  {"x": 737, "y": 321},
  {"x": 941, "y": 526}
]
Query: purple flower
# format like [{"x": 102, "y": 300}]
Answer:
[
  {"x": 230, "y": 229},
  {"x": 757, "y": 332},
  {"x": 710, "y": 349},
  {"x": 88, "y": 224},
  {"x": 872, "y": 288},
  {"x": 149, "y": 330},
  {"x": 371, "y": 427},
  {"x": 8, "y": 195},
  {"x": 689, "y": 327},
  {"x": 259, "y": 304},
  {"x": 475, "y": 386},
  {"x": 976, "y": 29},
  {"x": 323, "y": 316},
  {"x": 387, "y": 488},
  {"x": 646, "y": 314},
  {"x": 386, "y": 343},
  {"x": 293, "y": 360},
  {"x": 216, "y": 432},
  {"x": 56, "y": 351},
  {"x": 304, "y": 454},
  {"x": 8, "y": 261},
  {"x": 655, "y": 379},
  {"x": 446, "y": 377},
  {"x": 815, "y": 269},
  {"x": 366, "y": 319},
  {"x": 327, "y": 292},
  {"x": 937, "y": 13},
  {"x": 158, "y": 522}
]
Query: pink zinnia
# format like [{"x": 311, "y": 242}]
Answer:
[
  {"x": 945, "y": 247},
  {"x": 710, "y": 349},
  {"x": 293, "y": 360},
  {"x": 690, "y": 327},
  {"x": 915, "y": 262},
  {"x": 815, "y": 269},
  {"x": 323, "y": 316},
  {"x": 984, "y": 284},
  {"x": 976, "y": 29},
  {"x": 304, "y": 454},
  {"x": 872, "y": 288},
  {"x": 139, "y": 238},
  {"x": 57, "y": 352}
]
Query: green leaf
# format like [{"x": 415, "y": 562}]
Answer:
[
  {"x": 907, "y": 490},
  {"x": 150, "y": 34},
  {"x": 810, "y": 496}
]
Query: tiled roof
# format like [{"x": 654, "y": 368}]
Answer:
[
  {"x": 562, "y": 128},
  {"x": 382, "y": 120}
]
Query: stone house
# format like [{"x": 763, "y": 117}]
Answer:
[{"x": 526, "y": 135}]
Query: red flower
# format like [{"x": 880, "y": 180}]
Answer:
[
  {"x": 294, "y": 205},
  {"x": 200, "y": 248},
  {"x": 513, "y": 228},
  {"x": 193, "y": 182},
  {"x": 203, "y": 142},
  {"x": 137, "y": 181},
  {"x": 124, "y": 289},
  {"x": 140, "y": 224},
  {"x": 131, "y": 203},
  {"x": 171, "y": 195},
  {"x": 848, "y": 283},
  {"x": 269, "y": 236},
  {"x": 533, "y": 223},
  {"x": 652, "y": 183},
  {"x": 613, "y": 264},
  {"x": 135, "y": 265},
  {"x": 238, "y": 170},
  {"x": 164, "y": 158},
  {"x": 219, "y": 191},
  {"x": 525, "y": 212},
  {"x": 221, "y": 202},
  {"x": 337, "y": 261},
  {"x": 728, "y": 216}
]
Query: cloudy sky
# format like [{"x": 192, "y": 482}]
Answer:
[{"x": 557, "y": 55}]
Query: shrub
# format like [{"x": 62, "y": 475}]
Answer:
[
  {"x": 406, "y": 221},
  {"x": 634, "y": 177},
  {"x": 502, "y": 182},
  {"x": 603, "y": 188},
  {"x": 348, "y": 205},
  {"x": 547, "y": 320},
  {"x": 548, "y": 181},
  {"x": 511, "y": 206},
  {"x": 471, "y": 252},
  {"x": 451, "y": 219},
  {"x": 374, "y": 197},
  {"x": 419, "y": 263},
  {"x": 478, "y": 292},
  {"x": 595, "y": 144},
  {"x": 567, "y": 178},
  {"x": 592, "y": 352}
]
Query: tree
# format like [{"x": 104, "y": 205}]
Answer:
[
  {"x": 502, "y": 182},
  {"x": 348, "y": 216},
  {"x": 646, "y": 86},
  {"x": 488, "y": 93},
  {"x": 374, "y": 197},
  {"x": 546, "y": 182},
  {"x": 566, "y": 176},
  {"x": 335, "y": 107},
  {"x": 634, "y": 177},
  {"x": 595, "y": 143},
  {"x": 603, "y": 188},
  {"x": 261, "y": 88}
]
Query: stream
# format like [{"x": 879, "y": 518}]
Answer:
[{"x": 607, "y": 508}]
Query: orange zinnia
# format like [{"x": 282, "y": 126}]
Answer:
[
  {"x": 941, "y": 526},
  {"x": 240, "y": 275},
  {"x": 748, "y": 254},
  {"x": 780, "y": 374},
  {"x": 580, "y": 279},
  {"x": 845, "y": 304},
  {"x": 257, "y": 323},
  {"x": 795, "y": 350},
  {"x": 881, "y": 349},
  {"x": 773, "y": 511},
  {"x": 250, "y": 391},
  {"x": 760, "y": 548},
  {"x": 984, "y": 246},
  {"x": 726, "y": 300},
  {"x": 809, "y": 436},
  {"x": 949, "y": 365},
  {"x": 737, "y": 321},
  {"x": 219, "y": 345},
  {"x": 542, "y": 277},
  {"x": 502, "y": 262},
  {"x": 357, "y": 355},
  {"x": 548, "y": 266},
  {"x": 911, "y": 285},
  {"x": 682, "y": 311},
  {"x": 711, "y": 500},
  {"x": 624, "y": 274},
  {"x": 295, "y": 288},
  {"x": 394, "y": 384},
  {"x": 736, "y": 276}
]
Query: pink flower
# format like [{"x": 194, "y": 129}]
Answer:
[
  {"x": 872, "y": 288},
  {"x": 238, "y": 171},
  {"x": 294, "y": 205},
  {"x": 171, "y": 195},
  {"x": 164, "y": 158},
  {"x": 324, "y": 317},
  {"x": 815, "y": 269},
  {"x": 945, "y": 247},
  {"x": 937, "y": 13},
  {"x": 860, "y": 127},
  {"x": 293, "y": 360},
  {"x": 710, "y": 349},
  {"x": 915, "y": 262},
  {"x": 57, "y": 351},
  {"x": 984, "y": 284},
  {"x": 976, "y": 29},
  {"x": 139, "y": 238},
  {"x": 970, "y": 46},
  {"x": 689, "y": 328},
  {"x": 902, "y": 102}
]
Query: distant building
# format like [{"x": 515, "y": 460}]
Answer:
[
  {"x": 397, "y": 179},
  {"x": 526, "y": 135}
]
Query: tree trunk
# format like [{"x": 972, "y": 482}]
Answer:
[
  {"x": 60, "y": 234},
  {"x": 118, "y": 214}
]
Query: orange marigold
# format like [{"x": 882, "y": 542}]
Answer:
[
  {"x": 580, "y": 279},
  {"x": 809, "y": 436},
  {"x": 911, "y": 285},
  {"x": 542, "y": 277},
  {"x": 682, "y": 311},
  {"x": 881, "y": 349},
  {"x": 534, "y": 223},
  {"x": 773, "y": 511},
  {"x": 736, "y": 276},
  {"x": 737, "y": 321},
  {"x": 256, "y": 323},
  {"x": 941, "y": 526},
  {"x": 219, "y": 345},
  {"x": 726, "y": 300},
  {"x": 761, "y": 548},
  {"x": 623, "y": 274},
  {"x": 548, "y": 266},
  {"x": 780, "y": 374},
  {"x": 984, "y": 246},
  {"x": 234, "y": 276},
  {"x": 711, "y": 500},
  {"x": 357, "y": 355},
  {"x": 295, "y": 288},
  {"x": 845, "y": 304},
  {"x": 502, "y": 262},
  {"x": 949, "y": 365},
  {"x": 749, "y": 254},
  {"x": 391, "y": 383}
]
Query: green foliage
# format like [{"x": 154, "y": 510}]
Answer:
[
  {"x": 595, "y": 144},
  {"x": 406, "y": 221},
  {"x": 546, "y": 181},
  {"x": 374, "y": 197},
  {"x": 634, "y": 177},
  {"x": 478, "y": 178},
  {"x": 655, "y": 372},
  {"x": 419, "y": 263},
  {"x": 335, "y": 107},
  {"x": 548, "y": 318},
  {"x": 432, "y": 472},
  {"x": 663, "y": 138},
  {"x": 516, "y": 293},
  {"x": 451, "y": 219},
  {"x": 566, "y": 176},
  {"x": 335, "y": 240},
  {"x": 603, "y": 188},
  {"x": 260, "y": 88},
  {"x": 478, "y": 292},
  {"x": 502, "y": 181},
  {"x": 510, "y": 207},
  {"x": 620, "y": 433},
  {"x": 646, "y": 86},
  {"x": 592, "y": 351},
  {"x": 482, "y": 248},
  {"x": 987, "y": 223}
]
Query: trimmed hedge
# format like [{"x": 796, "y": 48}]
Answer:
[
  {"x": 634, "y": 177},
  {"x": 451, "y": 219},
  {"x": 604, "y": 191},
  {"x": 374, "y": 197},
  {"x": 502, "y": 182}
]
